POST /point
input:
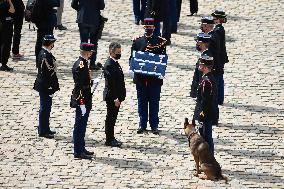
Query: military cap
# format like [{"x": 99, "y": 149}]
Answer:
[
  {"x": 87, "y": 46},
  {"x": 207, "y": 20},
  {"x": 49, "y": 38},
  {"x": 206, "y": 59},
  {"x": 149, "y": 21},
  {"x": 202, "y": 37},
  {"x": 219, "y": 13}
]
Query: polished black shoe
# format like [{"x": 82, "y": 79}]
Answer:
[
  {"x": 168, "y": 42},
  {"x": 113, "y": 143},
  {"x": 88, "y": 152},
  {"x": 140, "y": 130},
  {"x": 48, "y": 135},
  {"x": 52, "y": 132},
  {"x": 155, "y": 131},
  {"x": 60, "y": 27},
  {"x": 82, "y": 156},
  {"x": 6, "y": 68}
]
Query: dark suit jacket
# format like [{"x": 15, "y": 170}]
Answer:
[
  {"x": 114, "y": 81},
  {"x": 88, "y": 11},
  {"x": 158, "y": 9},
  {"x": 46, "y": 80},
  {"x": 47, "y": 13}
]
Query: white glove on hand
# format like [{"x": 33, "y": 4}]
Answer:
[
  {"x": 83, "y": 109},
  {"x": 51, "y": 95}
]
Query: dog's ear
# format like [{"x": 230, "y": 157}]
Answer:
[
  {"x": 185, "y": 122},
  {"x": 193, "y": 122}
]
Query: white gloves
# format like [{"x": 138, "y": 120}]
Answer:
[
  {"x": 51, "y": 95},
  {"x": 83, "y": 109}
]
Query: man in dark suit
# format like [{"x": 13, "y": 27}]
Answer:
[
  {"x": 81, "y": 99},
  {"x": 219, "y": 18},
  {"x": 88, "y": 19},
  {"x": 45, "y": 20},
  {"x": 114, "y": 92}
]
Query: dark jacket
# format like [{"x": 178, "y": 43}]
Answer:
[
  {"x": 157, "y": 9},
  {"x": 19, "y": 10},
  {"x": 88, "y": 11},
  {"x": 154, "y": 44},
  {"x": 47, "y": 13},
  {"x": 114, "y": 81},
  {"x": 206, "y": 101},
  {"x": 220, "y": 31},
  {"x": 46, "y": 80},
  {"x": 4, "y": 11},
  {"x": 82, "y": 86},
  {"x": 215, "y": 49}
]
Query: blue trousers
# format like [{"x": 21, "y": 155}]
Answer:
[
  {"x": 148, "y": 98},
  {"x": 173, "y": 15},
  {"x": 80, "y": 130},
  {"x": 139, "y": 7},
  {"x": 44, "y": 113},
  {"x": 206, "y": 133},
  {"x": 89, "y": 34},
  {"x": 220, "y": 87}
]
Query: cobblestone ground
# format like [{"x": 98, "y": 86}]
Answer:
[{"x": 249, "y": 141}]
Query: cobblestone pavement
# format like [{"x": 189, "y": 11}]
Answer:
[{"x": 249, "y": 141}]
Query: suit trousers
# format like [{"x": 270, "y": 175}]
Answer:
[
  {"x": 148, "y": 98},
  {"x": 139, "y": 7},
  {"x": 206, "y": 132},
  {"x": 59, "y": 12},
  {"x": 89, "y": 32},
  {"x": 44, "y": 113},
  {"x": 193, "y": 6},
  {"x": 6, "y": 35},
  {"x": 112, "y": 112},
  {"x": 17, "y": 36},
  {"x": 220, "y": 87},
  {"x": 80, "y": 130}
]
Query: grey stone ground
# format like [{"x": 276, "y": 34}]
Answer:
[{"x": 249, "y": 141}]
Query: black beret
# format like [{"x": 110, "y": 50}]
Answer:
[
  {"x": 207, "y": 20},
  {"x": 87, "y": 46},
  {"x": 202, "y": 37},
  {"x": 49, "y": 38}
]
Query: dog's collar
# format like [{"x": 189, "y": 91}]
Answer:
[{"x": 191, "y": 134}]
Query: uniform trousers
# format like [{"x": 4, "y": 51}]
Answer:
[
  {"x": 220, "y": 87},
  {"x": 193, "y": 6},
  {"x": 112, "y": 112},
  {"x": 44, "y": 113},
  {"x": 80, "y": 130},
  {"x": 18, "y": 23},
  {"x": 148, "y": 99},
  {"x": 6, "y": 35},
  {"x": 59, "y": 12},
  {"x": 206, "y": 132}
]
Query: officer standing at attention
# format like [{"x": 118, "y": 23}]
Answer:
[
  {"x": 114, "y": 92},
  {"x": 206, "y": 102},
  {"x": 148, "y": 87},
  {"x": 219, "y": 18},
  {"x": 46, "y": 84},
  {"x": 81, "y": 99},
  {"x": 202, "y": 43}
]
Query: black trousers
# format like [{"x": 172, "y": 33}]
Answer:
[
  {"x": 193, "y": 6},
  {"x": 178, "y": 9},
  {"x": 6, "y": 35},
  {"x": 17, "y": 35},
  {"x": 41, "y": 32},
  {"x": 111, "y": 117}
]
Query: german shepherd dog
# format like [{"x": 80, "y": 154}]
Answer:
[{"x": 203, "y": 157}]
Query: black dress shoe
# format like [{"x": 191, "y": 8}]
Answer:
[
  {"x": 88, "y": 152},
  {"x": 60, "y": 27},
  {"x": 136, "y": 22},
  {"x": 52, "y": 132},
  {"x": 168, "y": 42},
  {"x": 82, "y": 156},
  {"x": 48, "y": 135},
  {"x": 113, "y": 143},
  {"x": 155, "y": 131},
  {"x": 6, "y": 68},
  {"x": 140, "y": 130}
]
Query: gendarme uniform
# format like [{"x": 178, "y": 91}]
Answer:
[
  {"x": 206, "y": 109},
  {"x": 81, "y": 99},
  {"x": 148, "y": 87}
]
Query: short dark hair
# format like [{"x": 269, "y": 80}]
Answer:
[{"x": 114, "y": 45}]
